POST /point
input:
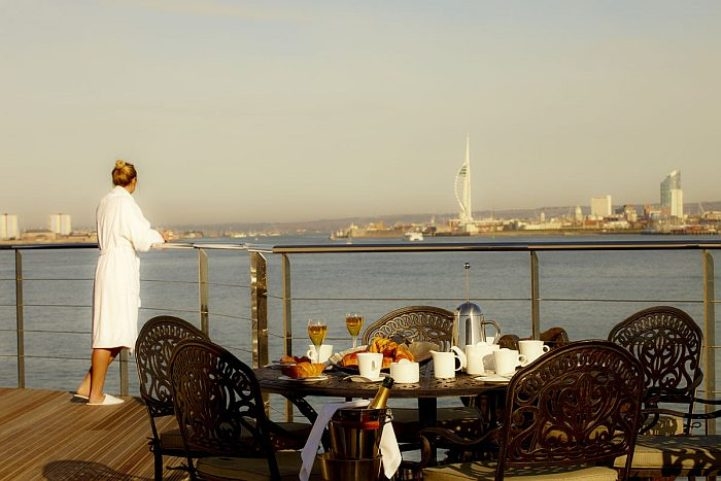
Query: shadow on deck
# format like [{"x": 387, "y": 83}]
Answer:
[{"x": 48, "y": 435}]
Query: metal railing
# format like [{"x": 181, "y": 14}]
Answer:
[{"x": 265, "y": 292}]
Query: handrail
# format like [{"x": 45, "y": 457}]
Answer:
[{"x": 260, "y": 293}]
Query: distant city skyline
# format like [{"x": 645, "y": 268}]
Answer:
[{"x": 282, "y": 111}]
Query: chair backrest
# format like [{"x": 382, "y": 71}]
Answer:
[
  {"x": 218, "y": 403},
  {"x": 579, "y": 404},
  {"x": 416, "y": 323},
  {"x": 668, "y": 343},
  {"x": 153, "y": 349},
  {"x": 553, "y": 337}
]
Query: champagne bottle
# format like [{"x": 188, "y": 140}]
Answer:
[{"x": 381, "y": 398}]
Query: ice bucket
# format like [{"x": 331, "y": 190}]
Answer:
[
  {"x": 356, "y": 433},
  {"x": 334, "y": 469}
]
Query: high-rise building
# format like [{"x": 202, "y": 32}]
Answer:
[
  {"x": 9, "y": 227},
  {"x": 672, "y": 195},
  {"x": 601, "y": 206},
  {"x": 61, "y": 224},
  {"x": 463, "y": 193}
]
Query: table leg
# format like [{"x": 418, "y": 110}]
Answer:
[{"x": 428, "y": 416}]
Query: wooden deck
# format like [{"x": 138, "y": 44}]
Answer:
[{"x": 47, "y": 435}]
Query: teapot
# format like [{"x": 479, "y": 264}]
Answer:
[{"x": 471, "y": 317}]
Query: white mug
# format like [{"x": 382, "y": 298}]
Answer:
[
  {"x": 507, "y": 360},
  {"x": 326, "y": 351},
  {"x": 532, "y": 349},
  {"x": 369, "y": 364},
  {"x": 444, "y": 364},
  {"x": 405, "y": 371}
]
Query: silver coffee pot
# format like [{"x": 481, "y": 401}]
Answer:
[{"x": 470, "y": 317}]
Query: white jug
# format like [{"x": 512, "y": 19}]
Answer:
[{"x": 476, "y": 357}]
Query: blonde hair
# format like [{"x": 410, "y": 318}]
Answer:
[{"x": 123, "y": 173}]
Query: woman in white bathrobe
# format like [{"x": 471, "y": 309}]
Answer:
[{"x": 123, "y": 231}]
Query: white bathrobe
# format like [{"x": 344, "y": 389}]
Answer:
[{"x": 122, "y": 232}]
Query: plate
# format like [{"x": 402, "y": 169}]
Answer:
[
  {"x": 359, "y": 378},
  {"x": 493, "y": 378},
  {"x": 421, "y": 351},
  {"x": 337, "y": 357},
  {"x": 303, "y": 379}
]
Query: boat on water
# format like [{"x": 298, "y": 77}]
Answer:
[{"x": 413, "y": 236}]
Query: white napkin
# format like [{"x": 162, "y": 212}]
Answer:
[
  {"x": 316, "y": 433},
  {"x": 390, "y": 451}
]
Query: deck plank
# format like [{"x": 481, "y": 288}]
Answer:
[{"x": 47, "y": 435}]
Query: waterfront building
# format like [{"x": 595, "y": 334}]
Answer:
[
  {"x": 9, "y": 227},
  {"x": 61, "y": 224},
  {"x": 578, "y": 215},
  {"x": 630, "y": 213},
  {"x": 672, "y": 195},
  {"x": 601, "y": 206}
]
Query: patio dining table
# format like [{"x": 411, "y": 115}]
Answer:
[{"x": 337, "y": 383}]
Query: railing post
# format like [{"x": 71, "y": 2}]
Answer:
[
  {"x": 535, "y": 298},
  {"x": 203, "y": 289},
  {"x": 709, "y": 314},
  {"x": 259, "y": 308},
  {"x": 124, "y": 373},
  {"x": 287, "y": 306},
  {"x": 287, "y": 317},
  {"x": 20, "y": 318}
]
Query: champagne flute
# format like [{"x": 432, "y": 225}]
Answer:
[
  {"x": 354, "y": 323},
  {"x": 317, "y": 331}
]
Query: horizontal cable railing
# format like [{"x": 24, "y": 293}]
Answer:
[{"x": 251, "y": 296}]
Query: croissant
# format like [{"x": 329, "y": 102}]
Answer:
[
  {"x": 391, "y": 350},
  {"x": 350, "y": 359},
  {"x": 303, "y": 369},
  {"x": 402, "y": 352}
]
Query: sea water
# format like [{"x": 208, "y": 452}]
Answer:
[{"x": 584, "y": 292}]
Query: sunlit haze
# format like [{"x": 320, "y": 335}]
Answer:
[{"x": 276, "y": 111}]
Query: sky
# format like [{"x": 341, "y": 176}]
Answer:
[{"x": 287, "y": 111}]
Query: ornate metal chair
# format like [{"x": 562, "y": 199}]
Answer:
[
  {"x": 221, "y": 413},
  {"x": 667, "y": 342},
  {"x": 569, "y": 415},
  {"x": 153, "y": 349},
  {"x": 425, "y": 324},
  {"x": 416, "y": 323}
]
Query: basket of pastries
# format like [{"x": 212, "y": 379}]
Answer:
[{"x": 296, "y": 367}]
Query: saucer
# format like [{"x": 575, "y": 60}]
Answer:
[
  {"x": 304, "y": 379},
  {"x": 493, "y": 378},
  {"x": 359, "y": 378}
]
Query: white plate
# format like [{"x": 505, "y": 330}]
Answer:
[
  {"x": 304, "y": 379},
  {"x": 359, "y": 378},
  {"x": 337, "y": 356},
  {"x": 493, "y": 378}
]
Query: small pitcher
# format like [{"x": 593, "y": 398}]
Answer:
[{"x": 475, "y": 356}]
